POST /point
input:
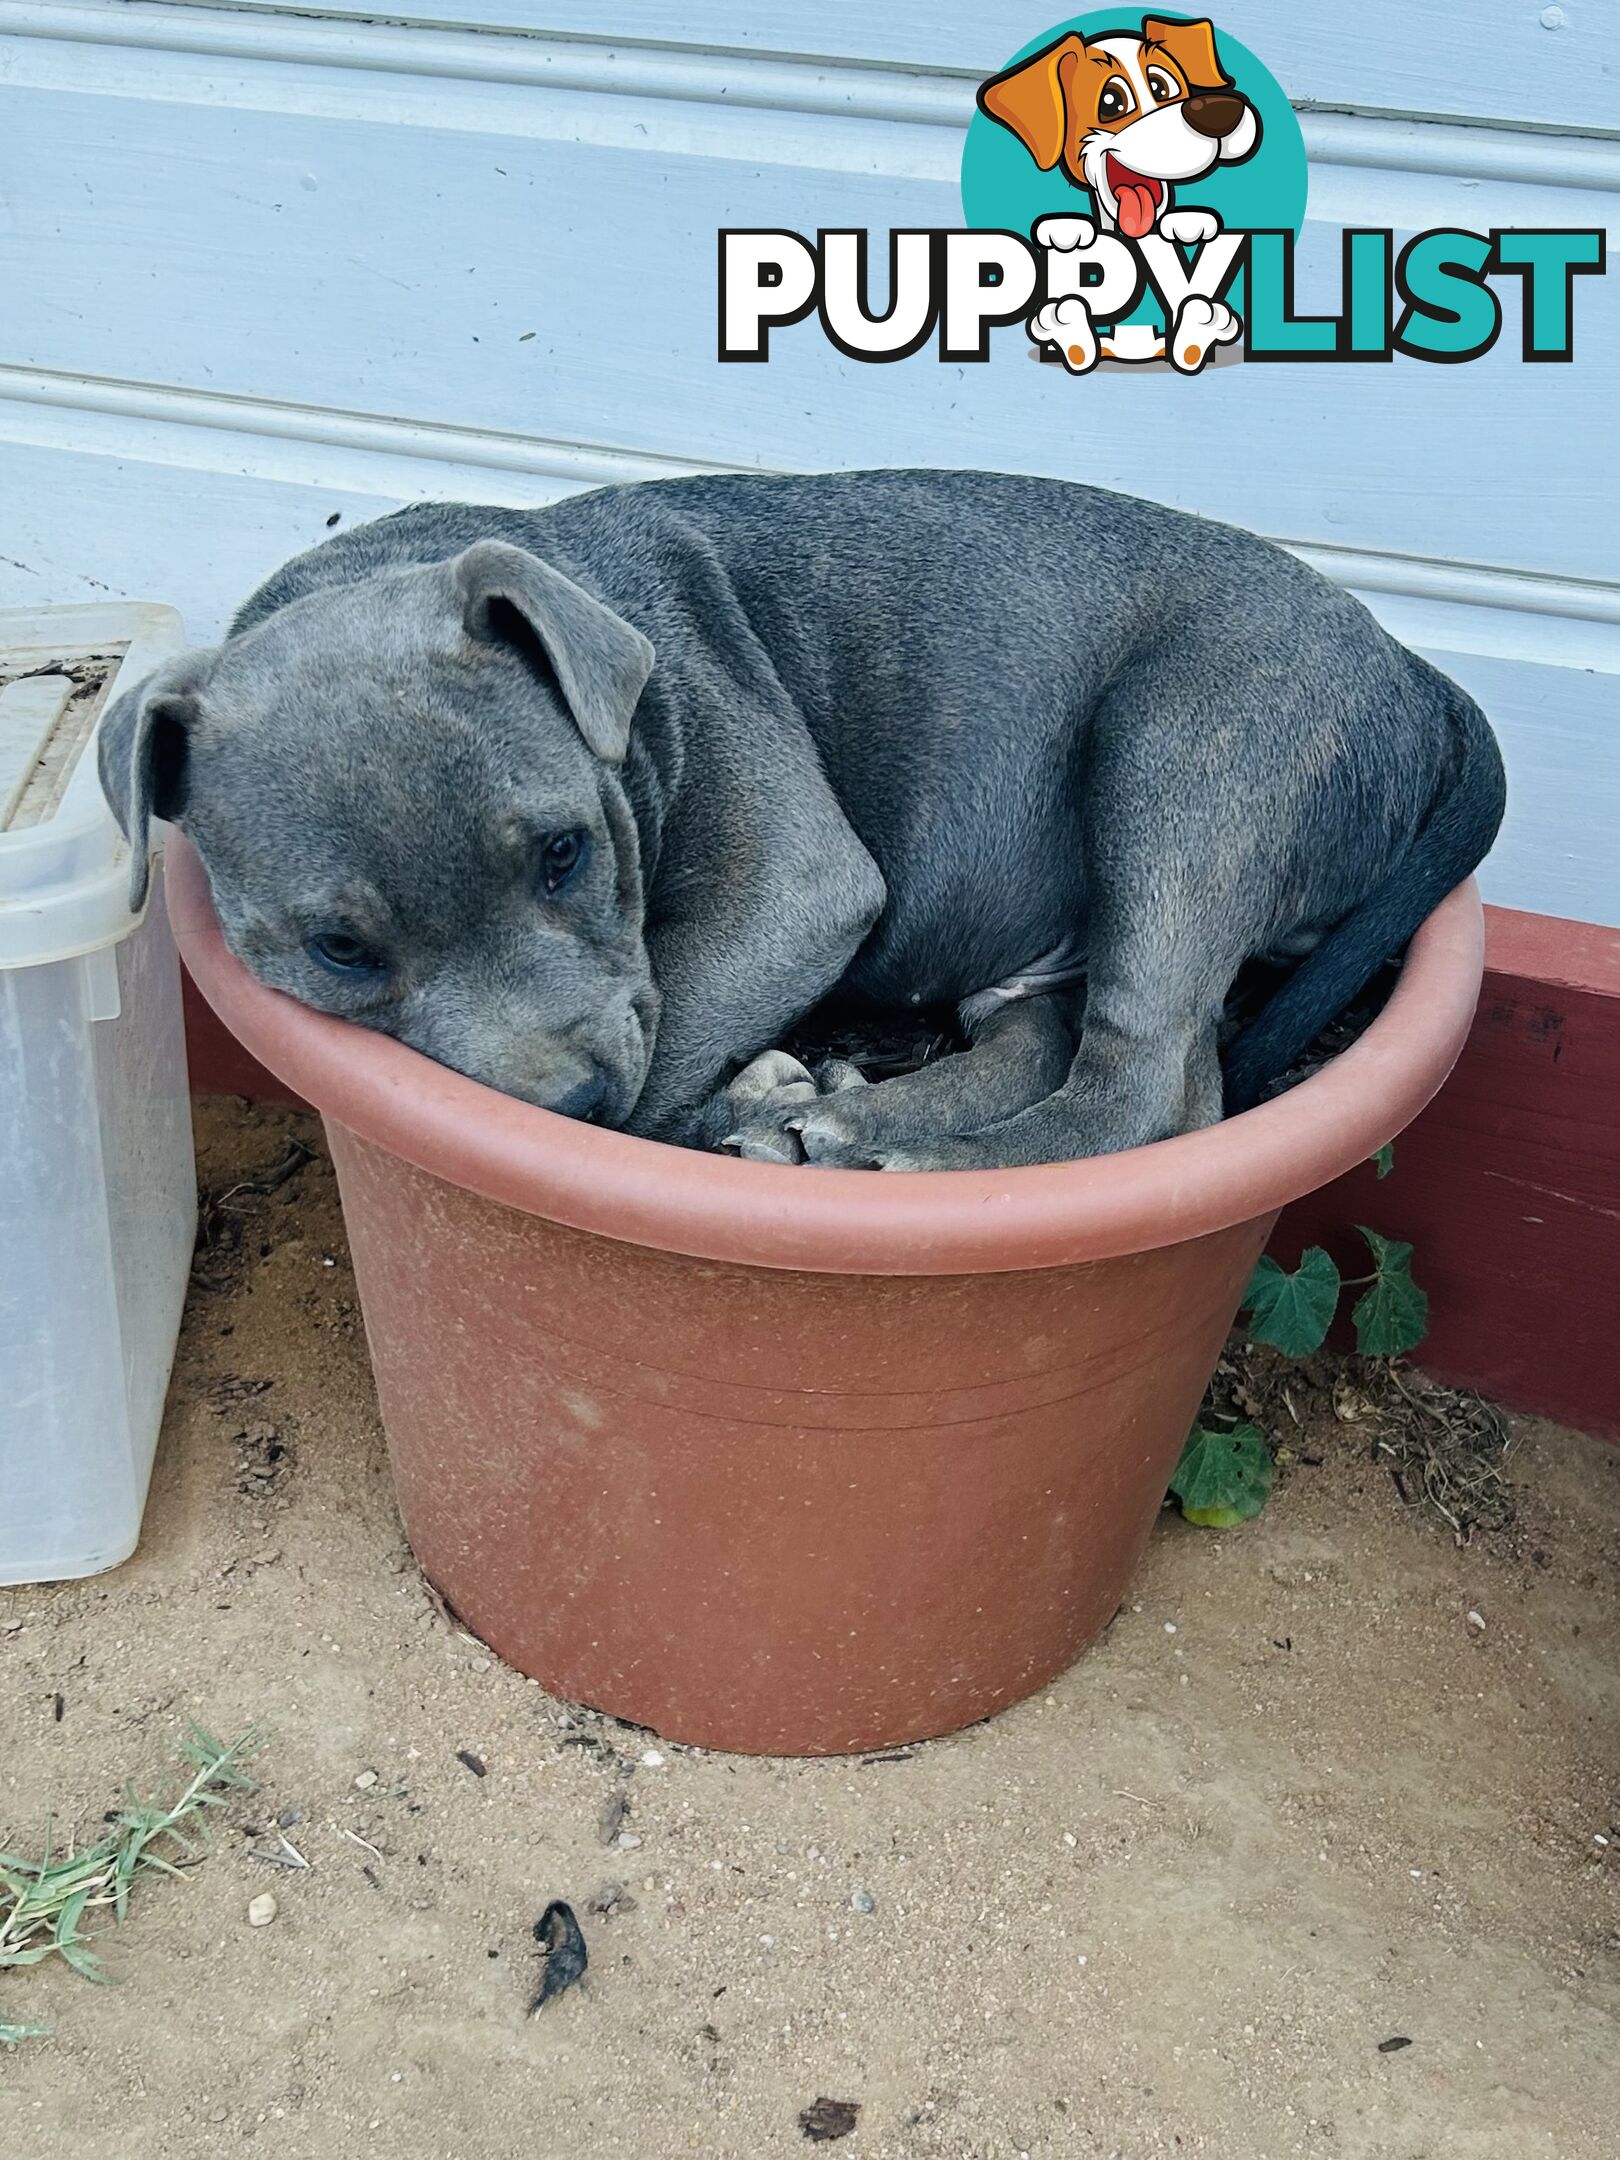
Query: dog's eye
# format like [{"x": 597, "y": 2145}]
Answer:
[
  {"x": 341, "y": 954},
  {"x": 1116, "y": 100},
  {"x": 561, "y": 857},
  {"x": 1164, "y": 87}
]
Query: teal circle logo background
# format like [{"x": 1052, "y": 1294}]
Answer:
[{"x": 1003, "y": 187}]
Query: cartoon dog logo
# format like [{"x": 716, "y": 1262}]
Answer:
[{"x": 1129, "y": 115}]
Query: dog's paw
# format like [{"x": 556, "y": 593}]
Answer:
[
  {"x": 1189, "y": 228},
  {"x": 1201, "y": 325},
  {"x": 1064, "y": 233},
  {"x": 837, "y": 1076},
  {"x": 1067, "y": 325},
  {"x": 760, "y": 1100},
  {"x": 772, "y": 1098},
  {"x": 830, "y": 1145},
  {"x": 768, "y": 1074},
  {"x": 837, "y": 1134}
]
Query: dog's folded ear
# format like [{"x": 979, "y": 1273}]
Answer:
[
  {"x": 1031, "y": 98},
  {"x": 598, "y": 661},
  {"x": 142, "y": 746},
  {"x": 1191, "y": 45}
]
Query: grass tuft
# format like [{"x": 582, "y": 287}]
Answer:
[{"x": 47, "y": 1906}]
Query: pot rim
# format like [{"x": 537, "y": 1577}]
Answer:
[{"x": 857, "y": 1222}]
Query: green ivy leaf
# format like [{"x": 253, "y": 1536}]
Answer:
[
  {"x": 1392, "y": 1316},
  {"x": 1384, "y": 1160},
  {"x": 1223, "y": 1478},
  {"x": 1293, "y": 1312}
]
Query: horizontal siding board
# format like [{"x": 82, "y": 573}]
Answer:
[
  {"x": 1493, "y": 59},
  {"x": 186, "y": 237}
]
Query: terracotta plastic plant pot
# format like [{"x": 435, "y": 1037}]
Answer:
[{"x": 792, "y": 1460}]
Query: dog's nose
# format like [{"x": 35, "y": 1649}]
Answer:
[
  {"x": 582, "y": 1101},
  {"x": 1213, "y": 113}
]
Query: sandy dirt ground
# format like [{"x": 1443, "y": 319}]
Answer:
[{"x": 1294, "y": 1809}]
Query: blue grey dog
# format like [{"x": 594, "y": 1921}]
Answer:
[{"x": 594, "y": 802}]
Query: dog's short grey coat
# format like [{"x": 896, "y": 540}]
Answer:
[{"x": 918, "y": 736}]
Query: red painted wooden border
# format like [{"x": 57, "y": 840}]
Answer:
[{"x": 1508, "y": 1185}]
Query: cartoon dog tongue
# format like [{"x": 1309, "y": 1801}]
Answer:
[{"x": 1137, "y": 199}]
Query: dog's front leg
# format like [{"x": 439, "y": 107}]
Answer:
[
  {"x": 724, "y": 1005},
  {"x": 738, "y": 967}
]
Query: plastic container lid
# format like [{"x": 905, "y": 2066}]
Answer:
[{"x": 64, "y": 864}]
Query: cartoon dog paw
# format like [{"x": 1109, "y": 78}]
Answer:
[
  {"x": 1067, "y": 325},
  {"x": 1133, "y": 344},
  {"x": 1189, "y": 228},
  {"x": 1201, "y": 325},
  {"x": 1064, "y": 233}
]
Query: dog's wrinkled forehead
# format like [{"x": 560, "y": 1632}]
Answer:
[
  {"x": 348, "y": 645},
  {"x": 357, "y": 736}
]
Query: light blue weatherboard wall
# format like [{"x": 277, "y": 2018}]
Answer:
[{"x": 262, "y": 267}]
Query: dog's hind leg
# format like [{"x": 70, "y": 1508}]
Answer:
[
  {"x": 1019, "y": 1051},
  {"x": 1147, "y": 1068},
  {"x": 1171, "y": 920}
]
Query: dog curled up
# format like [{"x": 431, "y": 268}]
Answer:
[{"x": 593, "y": 802}]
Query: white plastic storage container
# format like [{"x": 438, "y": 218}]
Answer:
[{"x": 98, "y": 1195}]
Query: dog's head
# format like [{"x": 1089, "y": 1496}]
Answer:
[
  {"x": 408, "y": 797},
  {"x": 1127, "y": 115}
]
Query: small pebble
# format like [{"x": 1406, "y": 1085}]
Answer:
[
  {"x": 1476, "y": 1620},
  {"x": 365, "y": 1781},
  {"x": 1169, "y": 1627},
  {"x": 613, "y": 1897},
  {"x": 482, "y": 1664},
  {"x": 610, "y": 1821},
  {"x": 628, "y": 1841},
  {"x": 863, "y": 1901},
  {"x": 261, "y": 1910},
  {"x": 651, "y": 1759}
]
